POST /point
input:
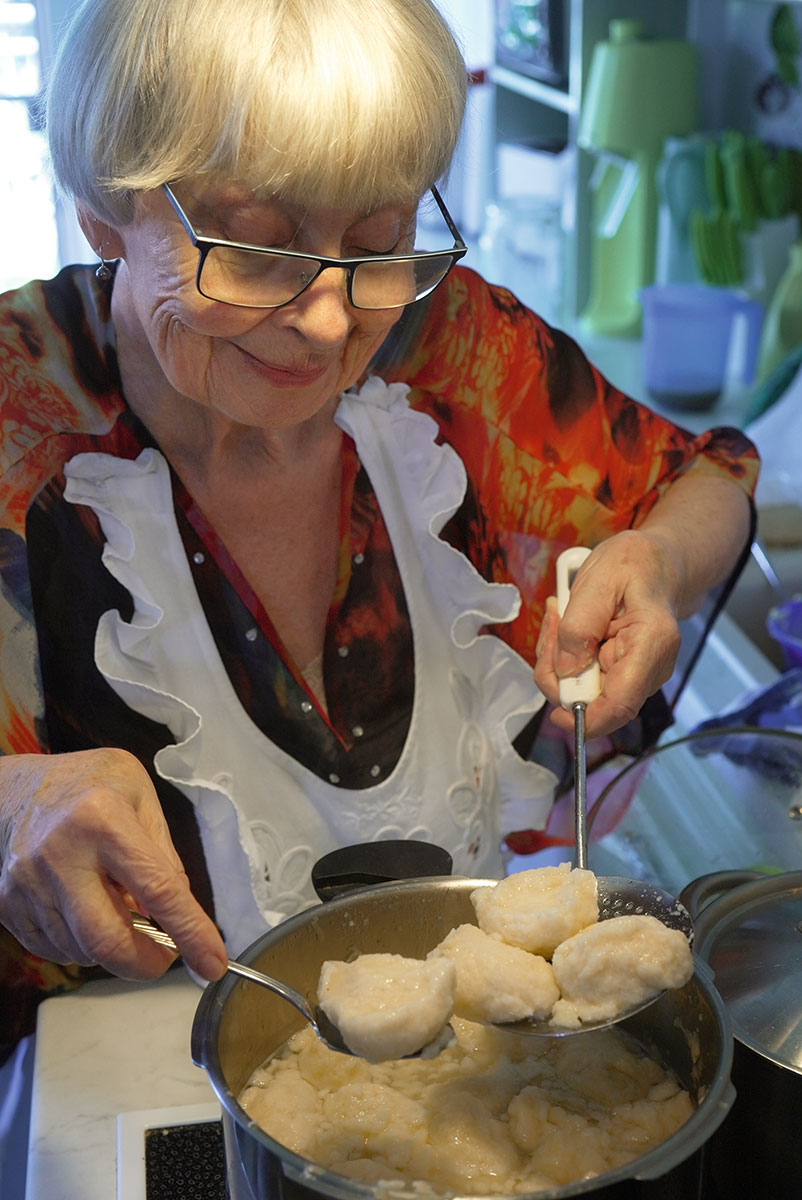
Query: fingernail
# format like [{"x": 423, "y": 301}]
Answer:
[
  {"x": 211, "y": 966},
  {"x": 565, "y": 663}
]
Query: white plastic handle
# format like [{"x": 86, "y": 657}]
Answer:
[{"x": 582, "y": 688}]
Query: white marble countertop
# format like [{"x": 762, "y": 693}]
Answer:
[{"x": 108, "y": 1048}]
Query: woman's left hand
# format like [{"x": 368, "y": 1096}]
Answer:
[
  {"x": 621, "y": 609},
  {"x": 629, "y": 594}
]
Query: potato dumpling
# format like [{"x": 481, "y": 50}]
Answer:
[
  {"x": 539, "y": 908},
  {"x": 616, "y": 965},
  {"x": 497, "y": 982},
  {"x": 387, "y": 1006}
]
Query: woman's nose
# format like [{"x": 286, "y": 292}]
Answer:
[{"x": 323, "y": 310}]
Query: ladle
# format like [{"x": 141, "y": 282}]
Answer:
[
  {"x": 617, "y": 895},
  {"x": 324, "y": 1028}
]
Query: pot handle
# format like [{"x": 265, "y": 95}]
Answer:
[
  {"x": 384, "y": 861},
  {"x": 696, "y": 894}
]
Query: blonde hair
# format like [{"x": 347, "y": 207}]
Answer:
[{"x": 345, "y": 102}]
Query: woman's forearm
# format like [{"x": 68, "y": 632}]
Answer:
[{"x": 703, "y": 523}]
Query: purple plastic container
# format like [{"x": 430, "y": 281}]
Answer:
[{"x": 784, "y": 623}]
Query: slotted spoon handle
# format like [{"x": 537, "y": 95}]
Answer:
[
  {"x": 587, "y": 685},
  {"x": 576, "y": 692}
]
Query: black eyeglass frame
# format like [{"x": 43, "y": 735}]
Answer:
[{"x": 205, "y": 245}]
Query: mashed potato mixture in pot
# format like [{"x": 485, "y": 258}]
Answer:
[{"x": 494, "y": 1113}]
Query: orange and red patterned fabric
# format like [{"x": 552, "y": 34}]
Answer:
[{"x": 554, "y": 456}]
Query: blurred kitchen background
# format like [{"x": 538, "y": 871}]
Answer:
[{"x": 632, "y": 169}]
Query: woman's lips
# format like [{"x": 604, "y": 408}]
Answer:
[{"x": 286, "y": 376}]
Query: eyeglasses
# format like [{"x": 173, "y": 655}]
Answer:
[{"x": 264, "y": 277}]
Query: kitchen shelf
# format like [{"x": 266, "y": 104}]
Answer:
[
  {"x": 530, "y": 111},
  {"x": 534, "y": 89}
]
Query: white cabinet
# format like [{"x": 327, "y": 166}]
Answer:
[{"x": 529, "y": 111}]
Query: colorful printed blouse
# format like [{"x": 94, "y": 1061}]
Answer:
[{"x": 554, "y": 455}]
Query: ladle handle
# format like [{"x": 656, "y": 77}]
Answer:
[{"x": 143, "y": 925}]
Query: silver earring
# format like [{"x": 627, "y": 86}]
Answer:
[{"x": 103, "y": 270}]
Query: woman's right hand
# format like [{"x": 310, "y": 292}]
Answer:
[{"x": 82, "y": 841}]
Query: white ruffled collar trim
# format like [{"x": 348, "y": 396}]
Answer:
[
  {"x": 420, "y": 484},
  {"x": 426, "y": 489},
  {"x": 498, "y": 685}
]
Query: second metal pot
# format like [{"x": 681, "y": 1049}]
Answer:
[{"x": 748, "y": 927}]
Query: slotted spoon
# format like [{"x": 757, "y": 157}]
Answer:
[{"x": 617, "y": 895}]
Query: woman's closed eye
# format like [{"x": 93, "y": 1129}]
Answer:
[
  {"x": 265, "y": 227},
  {"x": 373, "y": 252},
  {"x": 380, "y": 235}
]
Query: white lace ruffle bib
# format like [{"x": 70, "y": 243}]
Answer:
[{"x": 264, "y": 818}]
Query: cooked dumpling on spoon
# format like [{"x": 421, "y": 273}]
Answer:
[
  {"x": 387, "y": 1006},
  {"x": 539, "y": 908},
  {"x": 497, "y": 982}
]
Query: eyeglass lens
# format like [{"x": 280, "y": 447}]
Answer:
[{"x": 249, "y": 277}]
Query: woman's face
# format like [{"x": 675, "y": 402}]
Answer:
[{"x": 271, "y": 368}]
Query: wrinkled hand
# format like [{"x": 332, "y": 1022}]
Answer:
[
  {"x": 82, "y": 840},
  {"x": 621, "y": 608}
]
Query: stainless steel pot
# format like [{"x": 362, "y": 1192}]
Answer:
[
  {"x": 237, "y": 1026},
  {"x": 748, "y": 927}
]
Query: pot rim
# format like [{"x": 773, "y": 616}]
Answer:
[
  {"x": 706, "y": 1118},
  {"x": 737, "y": 890},
  {"x": 733, "y": 894}
]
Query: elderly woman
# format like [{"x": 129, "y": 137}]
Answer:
[{"x": 282, "y": 491}]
